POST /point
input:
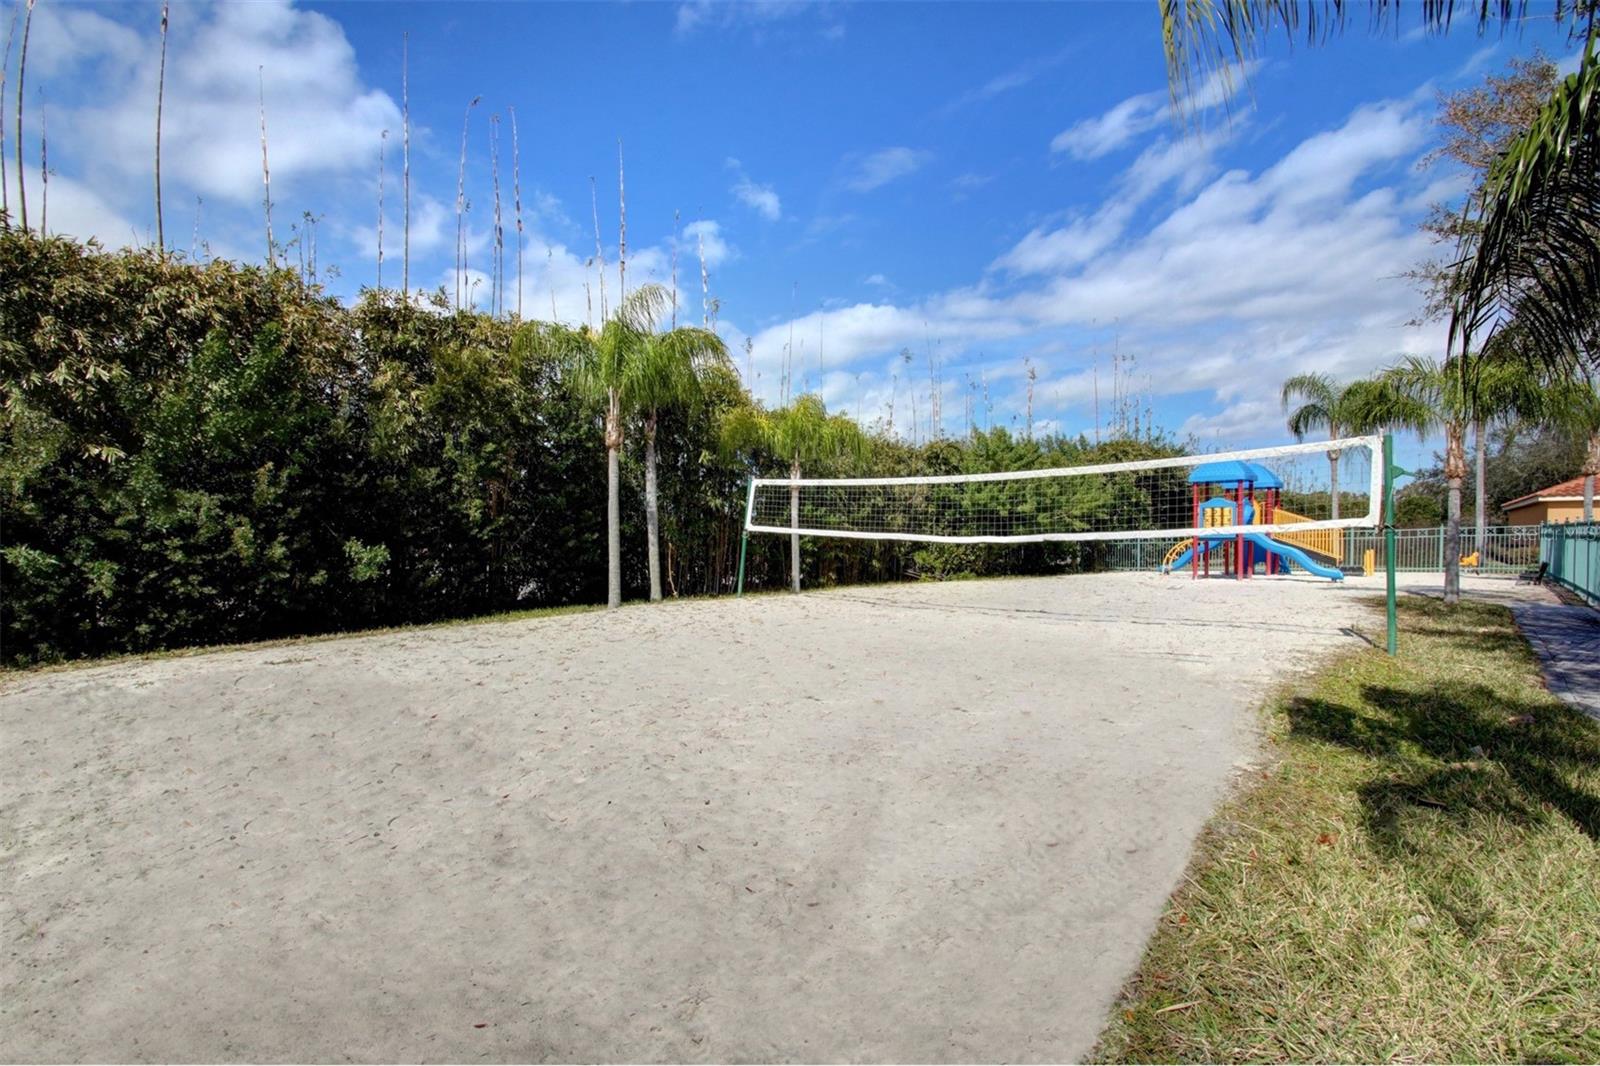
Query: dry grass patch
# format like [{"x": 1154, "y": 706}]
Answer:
[{"x": 1416, "y": 877}]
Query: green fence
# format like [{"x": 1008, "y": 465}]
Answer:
[
  {"x": 1501, "y": 550},
  {"x": 1504, "y": 550},
  {"x": 1572, "y": 550}
]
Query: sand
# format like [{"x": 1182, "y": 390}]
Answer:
[{"x": 922, "y": 822}]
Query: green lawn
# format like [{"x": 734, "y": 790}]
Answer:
[{"x": 1415, "y": 876}]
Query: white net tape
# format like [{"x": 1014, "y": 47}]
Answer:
[{"x": 1284, "y": 489}]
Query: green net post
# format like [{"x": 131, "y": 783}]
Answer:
[
  {"x": 744, "y": 536},
  {"x": 1389, "y": 472},
  {"x": 744, "y": 543}
]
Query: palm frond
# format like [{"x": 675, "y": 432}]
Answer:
[
  {"x": 666, "y": 369},
  {"x": 1405, "y": 397},
  {"x": 1317, "y": 388},
  {"x": 1206, "y": 39},
  {"x": 802, "y": 433},
  {"x": 1536, "y": 262}
]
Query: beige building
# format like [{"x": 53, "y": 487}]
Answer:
[{"x": 1558, "y": 503}]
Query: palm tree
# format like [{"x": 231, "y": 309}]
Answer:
[
  {"x": 668, "y": 374},
  {"x": 1428, "y": 395},
  {"x": 801, "y": 434},
  {"x": 604, "y": 369},
  {"x": 1327, "y": 405}
]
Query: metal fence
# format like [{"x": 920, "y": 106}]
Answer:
[
  {"x": 1504, "y": 550},
  {"x": 1572, "y": 552}
]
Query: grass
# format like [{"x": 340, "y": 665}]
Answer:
[{"x": 1415, "y": 877}]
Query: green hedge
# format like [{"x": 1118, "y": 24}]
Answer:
[{"x": 199, "y": 453}]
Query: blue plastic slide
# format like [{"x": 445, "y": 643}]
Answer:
[
  {"x": 1294, "y": 555},
  {"x": 1287, "y": 552}
]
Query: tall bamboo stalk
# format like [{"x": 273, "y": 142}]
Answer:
[
  {"x": 622, "y": 233},
  {"x": 44, "y": 172},
  {"x": 382, "y": 139},
  {"x": 405, "y": 172},
  {"x": 161, "y": 92},
  {"x": 516, "y": 198},
  {"x": 461, "y": 203},
  {"x": 822, "y": 372},
  {"x": 550, "y": 276},
  {"x": 1033, "y": 374},
  {"x": 266, "y": 174},
  {"x": 599, "y": 249},
  {"x": 705, "y": 279},
  {"x": 1097, "y": 400},
  {"x": 498, "y": 281},
  {"x": 5, "y": 67},
  {"x": 674, "y": 269},
  {"x": 194, "y": 238},
  {"x": 788, "y": 354},
  {"x": 22, "y": 67}
]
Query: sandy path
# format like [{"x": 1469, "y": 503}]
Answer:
[{"x": 929, "y": 822}]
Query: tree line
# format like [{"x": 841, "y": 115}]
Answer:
[{"x": 212, "y": 452}]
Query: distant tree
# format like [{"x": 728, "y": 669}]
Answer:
[
  {"x": 1528, "y": 458},
  {"x": 1325, "y": 405},
  {"x": 800, "y": 435},
  {"x": 671, "y": 367},
  {"x": 1574, "y": 405},
  {"x": 1427, "y": 396},
  {"x": 625, "y": 369},
  {"x": 1415, "y": 508}
]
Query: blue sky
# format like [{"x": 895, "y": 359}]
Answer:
[{"x": 998, "y": 187}]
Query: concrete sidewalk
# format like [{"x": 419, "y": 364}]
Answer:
[{"x": 1567, "y": 639}]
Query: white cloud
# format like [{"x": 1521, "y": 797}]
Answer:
[
  {"x": 1247, "y": 277},
  {"x": 878, "y": 281},
  {"x": 695, "y": 15},
  {"x": 1092, "y": 138},
  {"x": 1045, "y": 251},
  {"x": 706, "y": 234},
  {"x": 71, "y": 208},
  {"x": 877, "y": 169},
  {"x": 1130, "y": 119},
  {"x": 321, "y": 119},
  {"x": 762, "y": 199},
  {"x": 64, "y": 39}
]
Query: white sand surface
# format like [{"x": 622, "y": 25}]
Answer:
[{"x": 920, "y": 822}]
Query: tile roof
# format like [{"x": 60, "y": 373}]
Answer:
[{"x": 1571, "y": 487}]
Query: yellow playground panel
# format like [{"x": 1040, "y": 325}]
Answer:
[{"x": 1328, "y": 543}]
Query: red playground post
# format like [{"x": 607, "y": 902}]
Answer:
[
  {"x": 1194, "y": 545},
  {"x": 1238, "y": 538}
]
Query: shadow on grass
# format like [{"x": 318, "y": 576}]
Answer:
[{"x": 1452, "y": 762}]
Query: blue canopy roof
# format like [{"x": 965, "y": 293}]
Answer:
[{"x": 1235, "y": 472}]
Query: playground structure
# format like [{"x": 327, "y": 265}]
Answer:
[{"x": 1255, "y": 498}]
